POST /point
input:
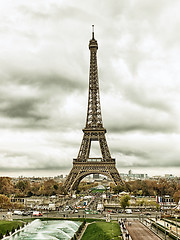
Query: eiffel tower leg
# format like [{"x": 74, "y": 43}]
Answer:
[
  {"x": 76, "y": 183},
  {"x": 74, "y": 178},
  {"x": 70, "y": 179},
  {"x": 113, "y": 172}
]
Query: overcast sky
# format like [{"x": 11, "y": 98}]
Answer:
[{"x": 44, "y": 74}]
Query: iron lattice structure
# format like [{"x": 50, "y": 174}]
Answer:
[{"x": 93, "y": 131}]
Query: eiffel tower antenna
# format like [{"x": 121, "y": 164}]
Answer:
[
  {"x": 92, "y": 31},
  {"x": 83, "y": 165}
]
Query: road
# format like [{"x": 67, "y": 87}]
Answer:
[
  {"x": 80, "y": 214},
  {"x": 138, "y": 231}
]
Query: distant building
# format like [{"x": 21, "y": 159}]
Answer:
[
  {"x": 96, "y": 176},
  {"x": 59, "y": 176},
  {"x": 133, "y": 176},
  {"x": 169, "y": 176}
]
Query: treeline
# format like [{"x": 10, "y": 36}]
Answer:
[
  {"x": 151, "y": 188},
  {"x": 24, "y": 188}
]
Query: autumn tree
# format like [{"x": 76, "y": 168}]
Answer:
[
  {"x": 139, "y": 202},
  {"x": 49, "y": 187},
  {"x": 35, "y": 189},
  {"x": 4, "y": 202},
  {"x": 6, "y": 186},
  {"x": 118, "y": 189},
  {"x": 152, "y": 187},
  {"x": 124, "y": 201},
  {"x": 23, "y": 186},
  {"x": 176, "y": 196}
]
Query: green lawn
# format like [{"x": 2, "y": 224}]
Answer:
[
  {"x": 97, "y": 190},
  {"x": 8, "y": 225},
  {"x": 102, "y": 231}
]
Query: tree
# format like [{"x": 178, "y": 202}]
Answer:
[
  {"x": 4, "y": 202},
  {"x": 171, "y": 191},
  {"x": 29, "y": 194},
  {"x": 36, "y": 188},
  {"x": 23, "y": 186},
  {"x": 124, "y": 201},
  {"x": 140, "y": 202},
  {"x": 140, "y": 192},
  {"x": 6, "y": 186},
  {"x": 118, "y": 189},
  {"x": 49, "y": 188},
  {"x": 56, "y": 187},
  {"x": 176, "y": 196}
]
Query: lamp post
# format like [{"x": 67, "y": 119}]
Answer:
[
  {"x": 139, "y": 215},
  {"x": 156, "y": 216},
  {"x": 156, "y": 222},
  {"x": 165, "y": 234}
]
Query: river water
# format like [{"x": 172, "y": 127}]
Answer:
[{"x": 50, "y": 230}]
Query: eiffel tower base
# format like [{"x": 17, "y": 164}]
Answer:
[{"x": 83, "y": 169}]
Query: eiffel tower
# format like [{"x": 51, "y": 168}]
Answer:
[{"x": 93, "y": 131}]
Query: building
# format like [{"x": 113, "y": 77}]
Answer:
[
  {"x": 95, "y": 176},
  {"x": 133, "y": 176},
  {"x": 40, "y": 202},
  {"x": 165, "y": 201}
]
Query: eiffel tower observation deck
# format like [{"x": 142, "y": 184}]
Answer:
[{"x": 83, "y": 165}]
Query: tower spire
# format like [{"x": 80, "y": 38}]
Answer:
[
  {"x": 94, "y": 118},
  {"x": 92, "y": 31}
]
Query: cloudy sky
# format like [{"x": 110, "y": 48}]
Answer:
[{"x": 44, "y": 68}]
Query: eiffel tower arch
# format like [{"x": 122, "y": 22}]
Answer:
[{"x": 83, "y": 165}]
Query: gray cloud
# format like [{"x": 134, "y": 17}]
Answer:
[
  {"x": 48, "y": 81},
  {"x": 139, "y": 154},
  {"x": 22, "y": 109},
  {"x": 54, "y": 12},
  {"x": 44, "y": 81},
  {"x": 142, "y": 126}
]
